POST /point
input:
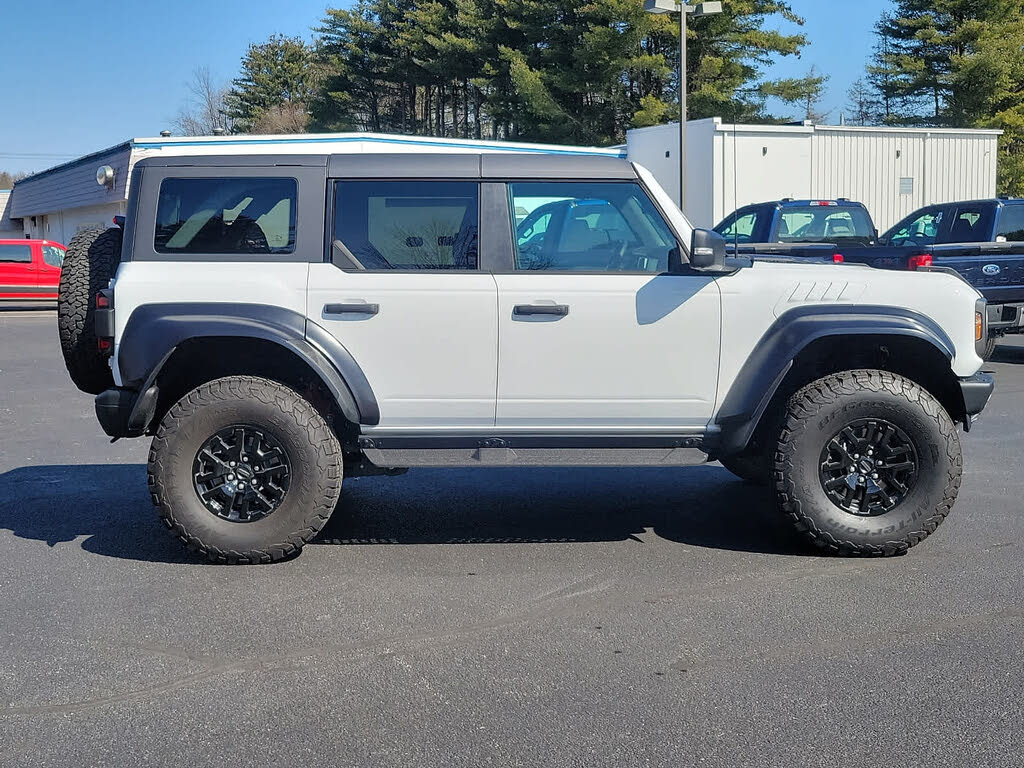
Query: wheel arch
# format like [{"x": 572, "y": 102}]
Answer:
[
  {"x": 807, "y": 343},
  {"x": 177, "y": 346}
]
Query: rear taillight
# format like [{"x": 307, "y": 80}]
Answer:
[
  {"x": 104, "y": 345},
  {"x": 102, "y": 300},
  {"x": 104, "y": 321},
  {"x": 837, "y": 258},
  {"x": 918, "y": 262}
]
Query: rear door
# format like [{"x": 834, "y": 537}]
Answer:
[
  {"x": 405, "y": 295},
  {"x": 594, "y": 334},
  {"x": 50, "y": 261},
  {"x": 18, "y": 271}
]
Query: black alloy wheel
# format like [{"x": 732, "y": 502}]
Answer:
[
  {"x": 869, "y": 467},
  {"x": 242, "y": 473}
]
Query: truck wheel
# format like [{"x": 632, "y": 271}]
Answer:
[
  {"x": 90, "y": 263},
  {"x": 867, "y": 463},
  {"x": 990, "y": 347},
  {"x": 244, "y": 470},
  {"x": 753, "y": 468}
]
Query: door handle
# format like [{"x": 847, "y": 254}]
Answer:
[
  {"x": 560, "y": 310},
  {"x": 357, "y": 308}
]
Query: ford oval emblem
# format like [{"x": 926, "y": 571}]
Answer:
[{"x": 991, "y": 269}]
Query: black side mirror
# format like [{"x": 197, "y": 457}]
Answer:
[{"x": 707, "y": 250}]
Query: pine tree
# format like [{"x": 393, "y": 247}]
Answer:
[{"x": 278, "y": 79}]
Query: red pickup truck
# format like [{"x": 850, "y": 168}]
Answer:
[{"x": 30, "y": 269}]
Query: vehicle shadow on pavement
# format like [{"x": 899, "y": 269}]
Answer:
[
  {"x": 1006, "y": 353},
  {"x": 699, "y": 506},
  {"x": 107, "y": 506},
  {"x": 106, "y": 503}
]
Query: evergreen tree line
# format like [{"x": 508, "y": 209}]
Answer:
[
  {"x": 553, "y": 70},
  {"x": 954, "y": 64}
]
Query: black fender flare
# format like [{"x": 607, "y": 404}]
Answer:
[
  {"x": 154, "y": 331},
  {"x": 773, "y": 355}
]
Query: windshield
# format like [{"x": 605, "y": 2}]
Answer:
[{"x": 825, "y": 224}]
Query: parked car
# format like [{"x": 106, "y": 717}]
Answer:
[
  {"x": 279, "y": 326},
  {"x": 30, "y": 269},
  {"x": 982, "y": 240}
]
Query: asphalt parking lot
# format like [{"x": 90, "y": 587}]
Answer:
[{"x": 604, "y": 617}]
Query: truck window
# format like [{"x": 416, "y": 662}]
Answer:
[
  {"x": 1011, "y": 224},
  {"x": 226, "y": 216},
  {"x": 593, "y": 226},
  {"x": 818, "y": 223},
  {"x": 918, "y": 230},
  {"x": 740, "y": 227},
  {"x": 53, "y": 255},
  {"x": 971, "y": 223},
  {"x": 18, "y": 254},
  {"x": 406, "y": 225}
]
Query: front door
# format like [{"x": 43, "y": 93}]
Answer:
[
  {"x": 594, "y": 333},
  {"x": 405, "y": 296}
]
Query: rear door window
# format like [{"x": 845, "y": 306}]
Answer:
[
  {"x": 53, "y": 255},
  {"x": 226, "y": 216},
  {"x": 1011, "y": 224},
  {"x": 971, "y": 223},
  {"x": 16, "y": 254},
  {"x": 406, "y": 225}
]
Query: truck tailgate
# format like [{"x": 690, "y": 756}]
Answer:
[{"x": 997, "y": 270}]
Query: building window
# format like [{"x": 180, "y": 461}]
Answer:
[{"x": 226, "y": 216}]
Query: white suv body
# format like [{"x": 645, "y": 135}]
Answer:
[{"x": 506, "y": 309}]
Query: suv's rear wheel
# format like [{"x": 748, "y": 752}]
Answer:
[
  {"x": 868, "y": 463},
  {"x": 89, "y": 264},
  {"x": 244, "y": 470}
]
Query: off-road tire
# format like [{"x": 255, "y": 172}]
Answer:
[
  {"x": 818, "y": 412},
  {"x": 89, "y": 264},
  {"x": 753, "y": 468},
  {"x": 315, "y": 459},
  {"x": 990, "y": 347}
]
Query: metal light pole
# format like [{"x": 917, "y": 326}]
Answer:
[{"x": 701, "y": 9}]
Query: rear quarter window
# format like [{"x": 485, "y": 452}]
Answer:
[{"x": 226, "y": 216}]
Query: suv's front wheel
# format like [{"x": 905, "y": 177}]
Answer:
[
  {"x": 867, "y": 463},
  {"x": 244, "y": 470}
]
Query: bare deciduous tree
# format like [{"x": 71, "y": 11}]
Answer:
[{"x": 204, "y": 111}]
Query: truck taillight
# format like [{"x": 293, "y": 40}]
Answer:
[
  {"x": 917, "y": 262},
  {"x": 837, "y": 258},
  {"x": 103, "y": 300}
]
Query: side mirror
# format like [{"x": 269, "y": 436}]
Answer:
[{"x": 707, "y": 250}]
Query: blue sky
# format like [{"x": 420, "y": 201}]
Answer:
[{"x": 80, "y": 76}]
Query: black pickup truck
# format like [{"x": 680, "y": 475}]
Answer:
[{"x": 982, "y": 240}]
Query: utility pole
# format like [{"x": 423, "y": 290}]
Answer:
[{"x": 701, "y": 9}]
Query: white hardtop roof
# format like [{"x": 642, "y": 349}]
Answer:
[{"x": 337, "y": 143}]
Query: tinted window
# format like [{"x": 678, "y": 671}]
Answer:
[
  {"x": 226, "y": 216},
  {"x": 589, "y": 226},
  {"x": 825, "y": 223},
  {"x": 16, "y": 253},
  {"x": 1011, "y": 223},
  {"x": 971, "y": 224},
  {"x": 53, "y": 255},
  {"x": 739, "y": 227},
  {"x": 405, "y": 224},
  {"x": 918, "y": 230}
]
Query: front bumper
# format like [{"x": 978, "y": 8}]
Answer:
[
  {"x": 124, "y": 412},
  {"x": 976, "y": 391}
]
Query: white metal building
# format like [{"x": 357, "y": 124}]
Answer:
[
  {"x": 58, "y": 202},
  {"x": 893, "y": 171}
]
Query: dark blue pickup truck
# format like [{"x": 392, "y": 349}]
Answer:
[{"x": 982, "y": 240}]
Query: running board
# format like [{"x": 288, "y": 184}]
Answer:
[{"x": 535, "y": 451}]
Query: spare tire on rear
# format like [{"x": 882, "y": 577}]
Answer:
[{"x": 90, "y": 263}]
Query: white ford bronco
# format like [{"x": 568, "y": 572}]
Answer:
[{"x": 277, "y": 323}]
